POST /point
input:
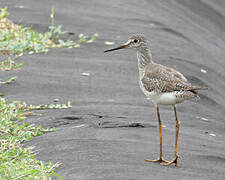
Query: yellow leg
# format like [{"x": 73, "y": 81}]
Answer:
[
  {"x": 160, "y": 132},
  {"x": 176, "y": 142}
]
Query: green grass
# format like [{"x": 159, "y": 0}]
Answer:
[
  {"x": 18, "y": 40},
  {"x": 9, "y": 64},
  {"x": 10, "y": 80},
  {"x": 17, "y": 161}
]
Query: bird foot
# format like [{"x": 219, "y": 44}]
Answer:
[
  {"x": 170, "y": 162},
  {"x": 160, "y": 160}
]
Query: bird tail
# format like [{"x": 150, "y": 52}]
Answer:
[
  {"x": 196, "y": 88},
  {"x": 202, "y": 88}
]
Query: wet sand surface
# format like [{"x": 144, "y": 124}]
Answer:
[{"x": 186, "y": 35}]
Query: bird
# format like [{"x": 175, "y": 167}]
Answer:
[{"x": 162, "y": 85}]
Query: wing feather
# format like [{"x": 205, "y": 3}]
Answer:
[{"x": 165, "y": 79}]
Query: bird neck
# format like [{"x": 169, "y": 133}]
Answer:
[{"x": 144, "y": 59}]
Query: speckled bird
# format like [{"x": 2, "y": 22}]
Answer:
[{"x": 161, "y": 84}]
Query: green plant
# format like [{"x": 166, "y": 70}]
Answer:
[
  {"x": 51, "y": 106},
  {"x": 18, "y": 40},
  {"x": 16, "y": 160},
  {"x": 3, "y": 12},
  {"x": 9, "y": 64},
  {"x": 10, "y": 80}
]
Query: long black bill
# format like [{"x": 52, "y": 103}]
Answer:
[{"x": 121, "y": 47}]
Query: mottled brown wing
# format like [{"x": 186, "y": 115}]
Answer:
[{"x": 164, "y": 79}]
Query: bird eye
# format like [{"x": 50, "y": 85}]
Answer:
[{"x": 135, "y": 40}]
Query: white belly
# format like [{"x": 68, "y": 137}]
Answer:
[
  {"x": 164, "y": 98},
  {"x": 169, "y": 98}
]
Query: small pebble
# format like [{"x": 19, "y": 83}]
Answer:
[
  {"x": 203, "y": 71},
  {"x": 109, "y": 43},
  {"x": 152, "y": 24},
  {"x": 211, "y": 134},
  {"x": 20, "y": 6},
  {"x": 79, "y": 126},
  {"x": 56, "y": 100},
  {"x": 85, "y": 74},
  {"x": 204, "y": 119},
  {"x": 71, "y": 33}
]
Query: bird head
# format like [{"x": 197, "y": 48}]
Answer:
[{"x": 136, "y": 42}]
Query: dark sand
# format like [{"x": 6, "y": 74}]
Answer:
[{"x": 186, "y": 35}]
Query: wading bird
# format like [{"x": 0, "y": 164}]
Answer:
[{"x": 161, "y": 84}]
